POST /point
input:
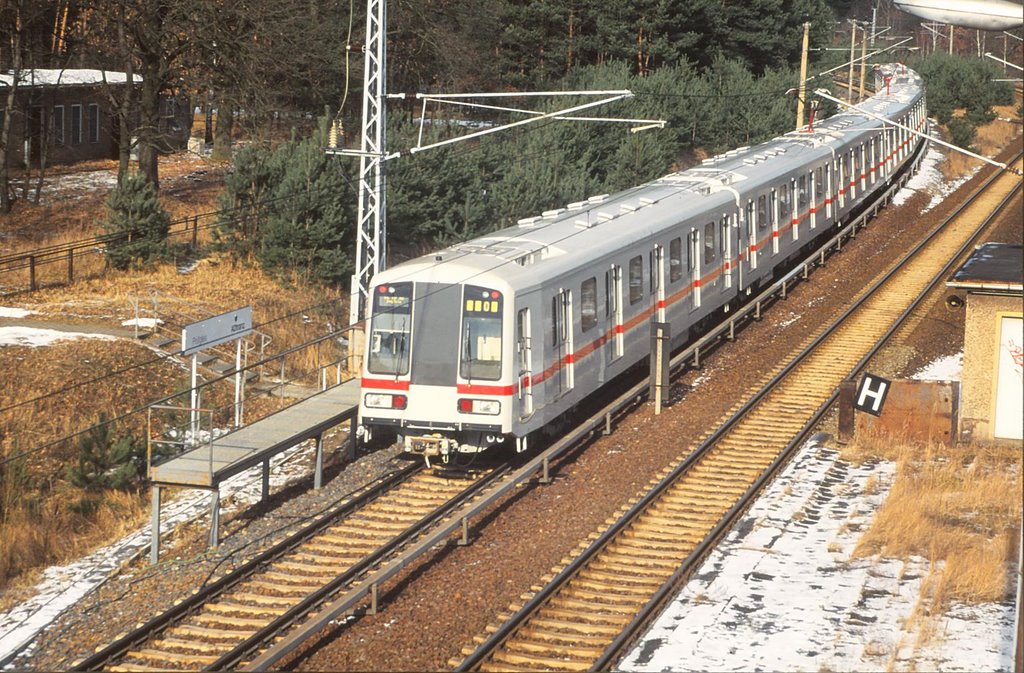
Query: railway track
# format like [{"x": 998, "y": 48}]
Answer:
[
  {"x": 588, "y": 611},
  {"x": 228, "y": 622}
]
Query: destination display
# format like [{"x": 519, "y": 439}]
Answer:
[{"x": 482, "y": 301}]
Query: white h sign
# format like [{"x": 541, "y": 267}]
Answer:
[{"x": 871, "y": 394}]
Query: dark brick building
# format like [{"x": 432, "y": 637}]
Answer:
[{"x": 64, "y": 112}]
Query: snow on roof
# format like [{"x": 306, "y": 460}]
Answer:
[{"x": 66, "y": 77}]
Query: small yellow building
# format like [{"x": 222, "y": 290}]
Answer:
[{"x": 992, "y": 386}]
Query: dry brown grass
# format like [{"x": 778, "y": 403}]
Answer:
[
  {"x": 955, "y": 505},
  {"x": 43, "y": 519},
  {"x": 189, "y": 186}
]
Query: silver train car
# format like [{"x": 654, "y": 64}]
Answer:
[{"x": 493, "y": 339}]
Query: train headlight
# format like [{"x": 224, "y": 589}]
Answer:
[
  {"x": 384, "y": 401},
  {"x": 488, "y": 407}
]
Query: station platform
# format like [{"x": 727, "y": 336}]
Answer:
[{"x": 209, "y": 465}]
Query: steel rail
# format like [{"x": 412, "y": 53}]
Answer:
[
  {"x": 234, "y": 657},
  {"x": 496, "y": 639},
  {"x": 691, "y": 563},
  {"x": 161, "y": 622}
]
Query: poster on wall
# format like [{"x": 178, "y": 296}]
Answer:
[{"x": 1009, "y": 408}]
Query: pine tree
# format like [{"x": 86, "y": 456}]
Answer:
[
  {"x": 136, "y": 224},
  {"x": 106, "y": 460}
]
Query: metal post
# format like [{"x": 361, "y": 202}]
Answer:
[
  {"x": 374, "y": 595},
  {"x": 545, "y": 479},
  {"x": 214, "y": 518},
  {"x": 154, "y": 525},
  {"x": 465, "y": 533},
  {"x": 950, "y": 39},
  {"x": 351, "y": 441},
  {"x": 607, "y": 424},
  {"x": 371, "y": 236},
  {"x": 71, "y": 266},
  {"x": 238, "y": 383},
  {"x": 849, "y": 79},
  {"x": 863, "y": 68},
  {"x": 318, "y": 473},
  {"x": 265, "y": 480},
  {"x": 732, "y": 331},
  {"x": 847, "y": 390},
  {"x": 194, "y": 401},
  {"x": 803, "y": 78}
]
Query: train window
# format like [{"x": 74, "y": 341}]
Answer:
[
  {"x": 819, "y": 181},
  {"x": 762, "y": 213},
  {"x": 588, "y": 304},
  {"x": 636, "y": 279},
  {"x": 482, "y": 314},
  {"x": 709, "y": 243},
  {"x": 555, "y": 327},
  {"x": 784, "y": 209},
  {"x": 390, "y": 328},
  {"x": 675, "y": 259},
  {"x": 801, "y": 193}
]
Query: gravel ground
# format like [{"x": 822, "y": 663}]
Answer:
[{"x": 433, "y": 609}]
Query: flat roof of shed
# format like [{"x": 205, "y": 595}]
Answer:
[
  {"x": 992, "y": 266},
  {"x": 30, "y": 77}
]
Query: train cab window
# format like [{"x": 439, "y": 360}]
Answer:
[
  {"x": 390, "y": 328},
  {"x": 801, "y": 202},
  {"x": 636, "y": 279},
  {"x": 709, "y": 243},
  {"x": 480, "y": 352},
  {"x": 675, "y": 259},
  {"x": 762, "y": 212},
  {"x": 588, "y": 304}
]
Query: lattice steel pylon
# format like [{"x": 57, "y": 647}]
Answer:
[{"x": 372, "y": 233}]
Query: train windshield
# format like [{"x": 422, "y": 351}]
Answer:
[
  {"x": 389, "y": 329},
  {"x": 480, "y": 356}
]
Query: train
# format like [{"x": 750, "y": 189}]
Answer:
[{"x": 493, "y": 340}]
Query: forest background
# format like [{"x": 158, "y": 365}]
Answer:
[{"x": 717, "y": 71}]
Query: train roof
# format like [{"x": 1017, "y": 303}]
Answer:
[{"x": 552, "y": 243}]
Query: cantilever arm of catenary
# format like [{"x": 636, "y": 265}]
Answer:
[
  {"x": 612, "y": 96},
  {"x": 827, "y": 96}
]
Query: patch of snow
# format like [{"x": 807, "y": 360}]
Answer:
[
  {"x": 148, "y": 323},
  {"x": 784, "y": 592},
  {"x": 188, "y": 267},
  {"x": 67, "y": 76},
  {"x": 7, "y": 312},
  {"x": 948, "y": 368},
  {"x": 63, "y": 586},
  {"x": 785, "y": 322},
  {"x": 35, "y": 336},
  {"x": 929, "y": 179}
]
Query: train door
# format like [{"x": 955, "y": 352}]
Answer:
[
  {"x": 774, "y": 221},
  {"x": 725, "y": 230},
  {"x": 657, "y": 263},
  {"x": 561, "y": 318},
  {"x": 749, "y": 241},
  {"x": 817, "y": 188},
  {"x": 524, "y": 380},
  {"x": 613, "y": 313},
  {"x": 693, "y": 266}
]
